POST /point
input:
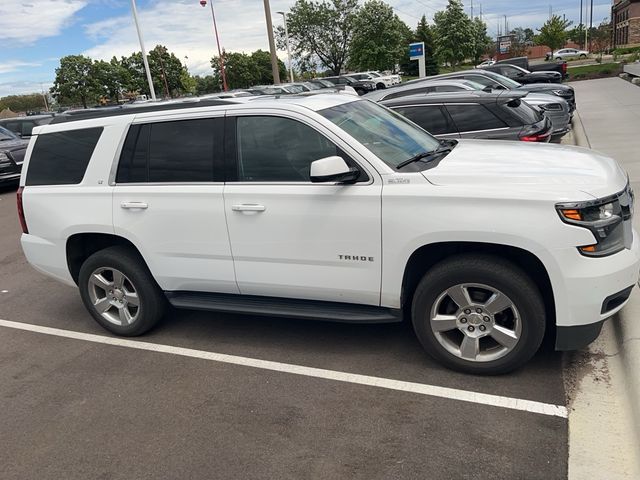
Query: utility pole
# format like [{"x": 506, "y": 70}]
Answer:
[
  {"x": 580, "y": 12},
  {"x": 506, "y": 28},
  {"x": 590, "y": 24},
  {"x": 286, "y": 34},
  {"x": 480, "y": 12},
  {"x": 272, "y": 44},
  {"x": 144, "y": 52},
  {"x": 471, "y": 9},
  {"x": 215, "y": 32}
]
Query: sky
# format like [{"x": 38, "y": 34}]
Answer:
[{"x": 35, "y": 34}]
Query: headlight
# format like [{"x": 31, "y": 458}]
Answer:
[
  {"x": 563, "y": 93},
  {"x": 604, "y": 218},
  {"x": 551, "y": 107}
]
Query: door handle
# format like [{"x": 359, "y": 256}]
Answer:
[
  {"x": 248, "y": 207},
  {"x": 132, "y": 205}
]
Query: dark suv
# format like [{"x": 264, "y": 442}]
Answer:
[
  {"x": 360, "y": 86},
  {"x": 12, "y": 150},
  {"x": 23, "y": 126},
  {"x": 498, "y": 116},
  {"x": 519, "y": 74}
]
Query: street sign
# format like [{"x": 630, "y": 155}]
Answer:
[{"x": 416, "y": 50}]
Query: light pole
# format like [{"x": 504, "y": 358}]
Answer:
[
  {"x": 144, "y": 52},
  {"x": 286, "y": 35},
  {"x": 272, "y": 44},
  {"x": 215, "y": 31}
]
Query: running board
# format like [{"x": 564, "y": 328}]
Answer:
[{"x": 284, "y": 307}]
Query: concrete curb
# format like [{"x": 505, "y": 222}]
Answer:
[{"x": 625, "y": 327}]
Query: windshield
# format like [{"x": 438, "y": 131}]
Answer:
[
  {"x": 375, "y": 74},
  {"x": 6, "y": 135},
  {"x": 385, "y": 133},
  {"x": 507, "y": 82}
]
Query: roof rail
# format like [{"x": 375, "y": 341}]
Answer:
[{"x": 129, "y": 109}]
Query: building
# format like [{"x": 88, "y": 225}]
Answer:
[{"x": 625, "y": 19}]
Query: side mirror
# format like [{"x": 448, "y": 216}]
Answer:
[{"x": 333, "y": 169}]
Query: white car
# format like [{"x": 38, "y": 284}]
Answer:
[
  {"x": 567, "y": 53},
  {"x": 486, "y": 63},
  {"x": 386, "y": 80},
  {"x": 330, "y": 207}
]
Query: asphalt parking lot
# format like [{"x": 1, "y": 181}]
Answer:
[{"x": 78, "y": 408}]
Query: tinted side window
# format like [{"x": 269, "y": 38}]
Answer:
[
  {"x": 61, "y": 158},
  {"x": 469, "y": 118},
  {"x": 432, "y": 119},
  {"x": 179, "y": 151},
  {"x": 275, "y": 149}
]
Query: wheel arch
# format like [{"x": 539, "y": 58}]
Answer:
[
  {"x": 425, "y": 257},
  {"x": 81, "y": 246}
]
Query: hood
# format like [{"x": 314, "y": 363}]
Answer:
[
  {"x": 10, "y": 145},
  {"x": 492, "y": 163}
]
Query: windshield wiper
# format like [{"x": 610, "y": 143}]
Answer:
[{"x": 425, "y": 156}]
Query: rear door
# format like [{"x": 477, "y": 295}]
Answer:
[
  {"x": 433, "y": 118},
  {"x": 474, "y": 120},
  {"x": 168, "y": 202}
]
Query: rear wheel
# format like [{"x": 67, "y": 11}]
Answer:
[
  {"x": 478, "y": 314},
  {"x": 119, "y": 292},
  {"x": 381, "y": 86},
  {"x": 583, "y": 56}
]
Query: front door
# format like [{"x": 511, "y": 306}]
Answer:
[{"x": 293, "y": 238}]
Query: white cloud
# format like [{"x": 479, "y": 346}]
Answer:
[
  {"x": 23, "y": 22},
  {"x": 21, "y": 87},
  {"x": 15, "y": 65},
  {"x": 186, "y": 29}
]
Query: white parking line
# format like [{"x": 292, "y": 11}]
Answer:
[{"x": 420, "y": 388}]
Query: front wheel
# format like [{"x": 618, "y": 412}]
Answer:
[
  {"x": 583, "y": 56},
  {"x": 119, "y": 292},
  {"x": 478, "y": 314}
]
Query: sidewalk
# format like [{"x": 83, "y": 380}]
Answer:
[{"x": 608, "y": 120}]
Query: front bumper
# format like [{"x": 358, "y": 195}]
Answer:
[{"x": 593, "y": 290}]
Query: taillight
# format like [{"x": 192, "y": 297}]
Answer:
[
  {"x": 539, "y": 137},
  {"x": 23, "y": 221},
  {"x": 564, "y": 69}
]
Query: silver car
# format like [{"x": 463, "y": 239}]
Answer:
[{"x": 567, "y": 53}]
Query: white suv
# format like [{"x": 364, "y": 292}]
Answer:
[{"x": 330, "y": 207}]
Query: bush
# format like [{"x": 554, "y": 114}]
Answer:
[{"x": 625, "y": 51}]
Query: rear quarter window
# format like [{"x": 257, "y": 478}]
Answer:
[
  {"x": 523, "y": 112},
  {"x": 61, "y": 158}
]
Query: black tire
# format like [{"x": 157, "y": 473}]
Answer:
[
  {"x": 499, "y": 274},
  {"x": 381, "y": 86},
  {"x": 152, "y": 302},
  {"x": 583, "y": 56}
]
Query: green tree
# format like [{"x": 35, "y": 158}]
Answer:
[
  {"x": 207, "y": 84},
  {"x": 379, "y": 38},
  {"x": 244, "y": 71},
  {"x": 576, "y": 34},
  {"x": 322, "y": 31},
  {"x": 518, "y": 42},
  {"x": 162, "y": 64},
  {"x": 264, "y": 73},
  {"x": 74, "y": 80},
  {"x": 554, "y": 33},
  {"x": 23, "y": 103},
  {"x": 601, "y": 37},
  {"x": 481, "y": 41},
  {"x": 454, "y": 34},
  {"x": 529, "y": 36},
  {"x": 111, "y": 78}
]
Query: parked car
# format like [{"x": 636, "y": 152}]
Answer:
[
  {"x": 480, "y": 115},
  {"x": 486, "y": 63},
  {"x": 567, "y": 54},
  {"x": 334, "y": 207},
  {"x": 22, "y": 126},
  {"x": 553, "y": 107},
  {"x": 523, "y": 62},
  {"x": 381, "y": 81},
  {"x": 12, "y": 150},
  {"x": 496, "y": 81},
  {"x": 360, "y": 86},
  {"x": 524, "y": 76}
]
